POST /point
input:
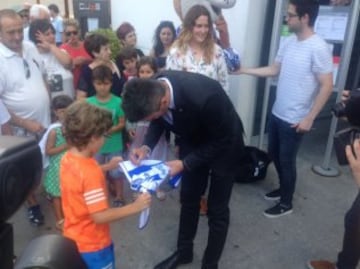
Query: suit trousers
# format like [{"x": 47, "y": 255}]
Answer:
[
  {"x": 349, "y": 256},
  {"x": 193, "y": 186}
]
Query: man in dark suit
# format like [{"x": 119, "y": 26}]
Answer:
[{"x": 210, "y": 138}]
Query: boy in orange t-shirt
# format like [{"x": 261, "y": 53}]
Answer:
[{"x": 83, "y": 187}]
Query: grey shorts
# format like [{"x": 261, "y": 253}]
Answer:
[{"x": 103, "y": 158}]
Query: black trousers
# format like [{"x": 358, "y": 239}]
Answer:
[
  {"x": 349, "y": 256},
  {"x": 193, "y": 185}
]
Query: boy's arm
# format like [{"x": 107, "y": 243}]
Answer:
[
  {"x": 112, "y": 164},
  {"x": 118, "y": 127},
  {"x": 50, "y": 148},
  {"x": 112, "y": 214}
]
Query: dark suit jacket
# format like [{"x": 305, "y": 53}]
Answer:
[{"x": 204, "y": 119}]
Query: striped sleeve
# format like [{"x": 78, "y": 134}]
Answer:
[{"x": 95, "y": 194}]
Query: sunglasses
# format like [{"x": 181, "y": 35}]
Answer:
[{"x": 71, "y": 33}]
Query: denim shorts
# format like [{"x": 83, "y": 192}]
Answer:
[
  {"x": 103, "y": 158},
  {"x": 104, "y": 258}
]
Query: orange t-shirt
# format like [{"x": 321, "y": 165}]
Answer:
[{"x": 83, "y": 192}]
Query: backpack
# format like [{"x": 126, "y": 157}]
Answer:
[{"x": 253, "y": 166}]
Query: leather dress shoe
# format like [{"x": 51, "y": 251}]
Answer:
[{"x": 174, "y": 260}]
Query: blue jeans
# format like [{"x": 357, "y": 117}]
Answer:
[
  {"x": 349, "y": 256},
  {"x": 283, "y": 147}
]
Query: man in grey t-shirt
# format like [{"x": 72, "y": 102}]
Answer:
[{"x": 304, "y": 67}]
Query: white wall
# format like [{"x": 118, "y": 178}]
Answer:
[
  {"x": 145, "y": 15},
  {"x": 245, "y": 22}
]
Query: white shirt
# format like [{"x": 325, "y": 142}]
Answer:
[
  {"x": 301, "y": 62},
  {"x": 55, "y": 71},
  {"x": 22, "y": 88},
  {"x": 4, "y": 114},
  {"x": 57, "y": 22}
]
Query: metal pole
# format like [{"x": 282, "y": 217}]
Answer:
[
  {"x": 276, "y": 30},
  {"x": 325, "y": 169}
]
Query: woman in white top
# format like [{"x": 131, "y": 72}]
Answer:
[
  {"x": 56, "y": 62},
  {"x": 195, "y": 50}
]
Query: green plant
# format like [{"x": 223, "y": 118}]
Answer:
[{"x": 115, "y": 45}]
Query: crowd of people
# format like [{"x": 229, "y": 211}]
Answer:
[{"x": 89, "y": 110}]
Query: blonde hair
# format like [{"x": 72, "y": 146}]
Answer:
[{"x": 186, "y": 33}]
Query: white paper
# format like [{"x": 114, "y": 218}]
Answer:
[
  {"x": 92, "y": 24},
  {"x": 332, "y": 27}
]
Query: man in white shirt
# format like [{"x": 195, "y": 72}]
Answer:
[
  {"x": 4, "y": 120},
  {"x": 304, "y": 67},
  {"x": 36, "y": 12},
  {"x": 57, "y": 22},
  {"x": 22, "y": 88}
]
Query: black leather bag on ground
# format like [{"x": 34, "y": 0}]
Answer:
[{"x": 253, "y": 166}]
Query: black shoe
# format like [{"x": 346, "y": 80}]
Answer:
[
  {"x": 273, "y": 195},
  {"x": 174, "y": 260},
  {"x": 35, "y": 216},
  {"x": 278, "y": 210}
]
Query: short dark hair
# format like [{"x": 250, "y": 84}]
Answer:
[
  {"x": 39, "y": 26},
  {"x": 141, "y": 98},
  {"x": 124, "y": 29},
  {"x": 147, "y": 60},
  {"x": 127, "y": 53},
  {"x": 54, "y": 8},
  {"x": 310, "y": 7},
  {"x": 94, "y": 42},
  {"x": 61, "y": 101},
  {"x": 102, "y": 73},
  {"x": 84, "y": 121}
]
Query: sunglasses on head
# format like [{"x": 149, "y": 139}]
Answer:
[{"x": 71, "y": 33}]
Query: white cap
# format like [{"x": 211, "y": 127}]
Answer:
[
  {"x": 211, "y": 6},
  {"x": 222, "y": 3},
  {"x": 187, "y": 4}
]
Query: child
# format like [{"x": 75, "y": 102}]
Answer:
[
  {"x": 128, "y": 58},
  {"x": 83, "y": 186},
  {"x": 55, "y": 147},
  {"x": 113, "y": 146},
  {"x": 146, "y": 68}
]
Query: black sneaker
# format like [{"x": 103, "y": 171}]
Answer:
[
  {"x": 35, "y": 216},
  {"x": 273, "y": 195},
  {"x": 278, "y": 210}
]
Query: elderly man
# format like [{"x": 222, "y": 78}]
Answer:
[
  {"x": 36, "y": 12},
  {"x": 22, "y": 89}
]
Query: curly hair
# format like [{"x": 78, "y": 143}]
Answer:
[
  {"x": 84, "y": 121},
  {"x": 186, "y": 34},
  {"x": 158, "y": 45}
]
